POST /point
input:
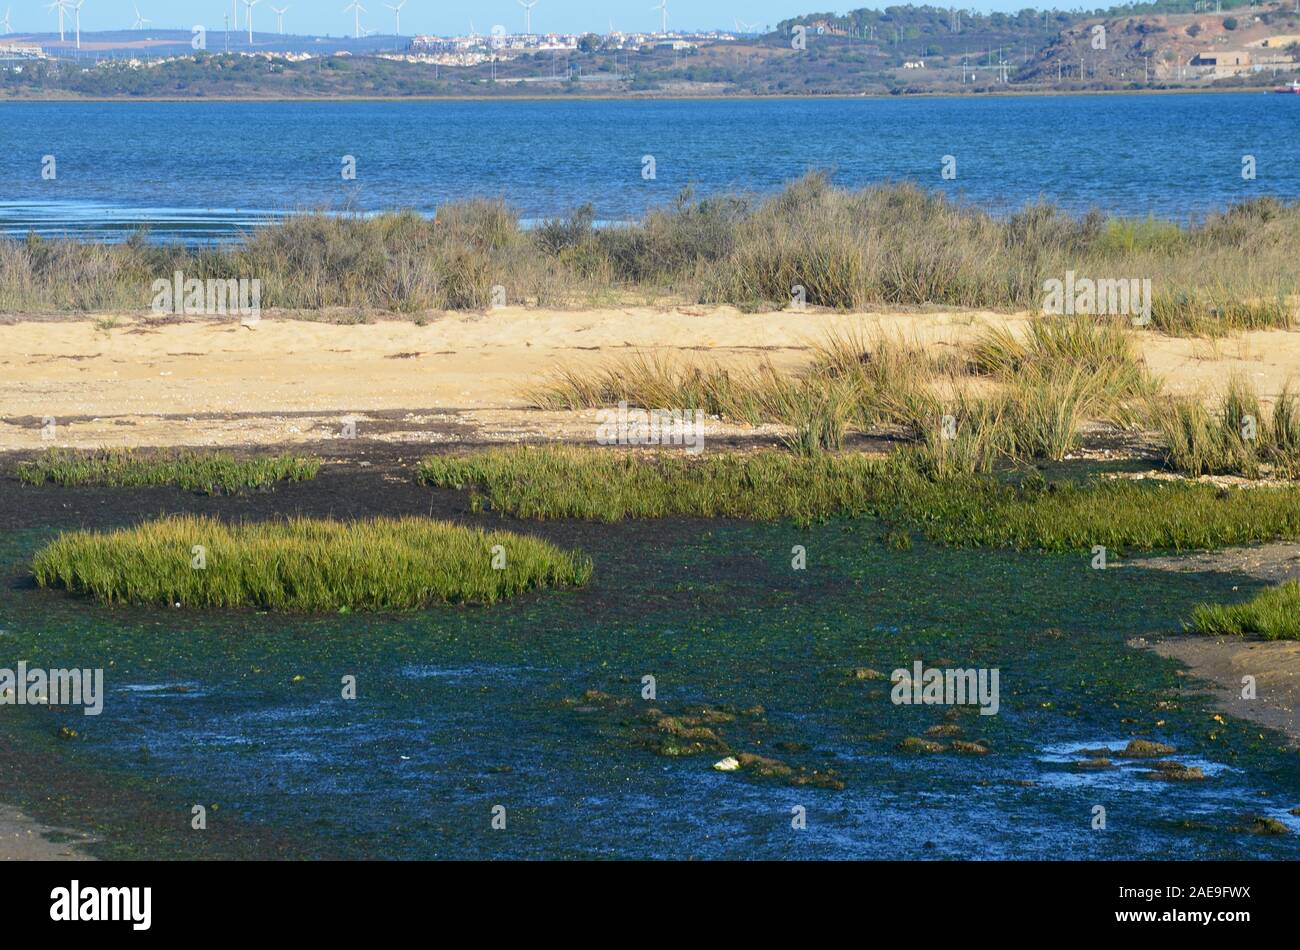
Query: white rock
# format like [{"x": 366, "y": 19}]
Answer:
[{"x": 729, "y": 764}]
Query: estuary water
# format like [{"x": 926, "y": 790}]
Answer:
[
  {"x": 461, "y": 711},
  {"x": 204, "y": 171}
]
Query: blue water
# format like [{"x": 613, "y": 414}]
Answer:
[{"x": 206, "y": 170}]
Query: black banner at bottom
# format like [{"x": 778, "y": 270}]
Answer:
[{"x": 333, "y": 900}]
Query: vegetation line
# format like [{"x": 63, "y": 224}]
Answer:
[
  {"x": 1009, "y": 396},
  {"x": 889, "y": 245},
  {"x": 207, "y": 472},
  {"x": 1024, "y": 512}
]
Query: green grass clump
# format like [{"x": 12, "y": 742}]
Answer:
[
  {"x": 208, "y": 472},
  {"x": 303, "y": 564},
  {"x": 953, "y": 508},
  {"x": 1274, "y": 615},
  {"x": 1126, "y": 235},
  {"x": 564, "y": 482},
  {"x": 1124, "y": 515}
]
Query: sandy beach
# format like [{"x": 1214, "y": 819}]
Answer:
[{"x": 122, "y": 380}]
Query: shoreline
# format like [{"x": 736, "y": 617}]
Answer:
[
  {"x": 25, "y": 839},
  {"x": 679, "y": 97},
  {"x": 1221, "y": 662}
]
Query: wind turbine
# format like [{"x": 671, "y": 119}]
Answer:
[
  {"x": 248, "y": 14},
  {"x": 5, "y": 21},
  {"x": 279, "y": 18},
  {"x": 77, "y": 15},
  {"x": 62, "y": 7},
  {"x": 397, "y": 11},
  {"x": 528, "y": 15},
  {"x": 663, "y": 8},
  {"x": 356, "y": 6},
  {"x": 140, "y": 21}
]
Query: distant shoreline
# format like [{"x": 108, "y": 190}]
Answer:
[{"x": 703, "y": 97}]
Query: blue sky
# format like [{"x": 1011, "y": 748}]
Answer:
[{"x": 441, "y": 16}]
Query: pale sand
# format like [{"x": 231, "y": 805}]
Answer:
[
  {"x": 138, "y": 383},
  {"x": 1223, "y": 662},
  {"x": 22, "y": 839}
]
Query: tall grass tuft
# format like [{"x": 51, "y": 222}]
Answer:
[
  {"x": 1061, "y": 374},
  {"x": 1236, "y": 438},
  {"x": 854, "y": 380},
  {"x": 1061, "y": 348},
  {"x": 1218, "y": 311},
  {"x": 302, "y": 564},
  {"x": 961, "y": 436}
]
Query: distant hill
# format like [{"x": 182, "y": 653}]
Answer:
[
  {"x": 898, "y": 51},
  {"x": 1171, "y": 47}
]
